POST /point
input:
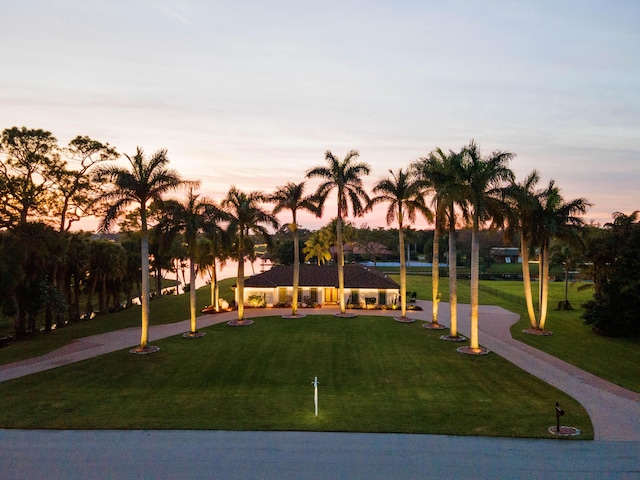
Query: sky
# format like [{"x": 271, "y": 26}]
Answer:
[{"x": 252, "y": 93}]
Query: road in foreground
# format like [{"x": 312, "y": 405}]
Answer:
[{"x": 38, "y": 454}]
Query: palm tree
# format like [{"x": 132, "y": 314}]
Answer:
[
  {"x": 246, "y": 216},
  {"x": 556, "y": 219},
  {"x": 147, "y": 180},
  {"x": 403, "y": 192},
  {"x": 191, "y": 218},
  {"x": 214, "y": 246},
  {"x": 524, "y": 202},
  {"x": 567, "y": 256},
  {"x": 319, "y": 246},
  {"x": 442, "y": 172},
  {"x": 484, "y": 178},
  {"x": 345, "y": 177},
  {"x": 291, "y": 197}
]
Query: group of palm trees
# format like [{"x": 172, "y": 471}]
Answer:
[{"x": 446, "y": 188}]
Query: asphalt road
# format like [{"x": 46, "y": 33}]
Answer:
[{"x": 304, "y": 455}]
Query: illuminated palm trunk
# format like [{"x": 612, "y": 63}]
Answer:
[
  {"x": 215, "y": 290},
  {"x": 526, "y": 280},
  {"x": 403, "y": 268},
  {"x": 435, "y": 272},
  {"x": 340, "y": 263},
  {"x": 453, "y": 280},
  {"x": 544, "y": 284},
  {"x": 475, "y": 280},
  {"x": 296, "y": 267},
  {"x": 192, "y": 293},
  {"x": 240, "y": 282},
  {"x": 144, "y": 252}
]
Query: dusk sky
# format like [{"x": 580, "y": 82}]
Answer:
[{"x": 253, "y": 93}]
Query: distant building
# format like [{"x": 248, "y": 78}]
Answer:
[{"x": 505, "y": 255}]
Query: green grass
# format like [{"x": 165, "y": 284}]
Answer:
[
  {"x": 375, "y": 375},
  {"x": 165, "y": 309},
  {"x": 6, "y": 324},
  {"x": 614, "y": 359}
]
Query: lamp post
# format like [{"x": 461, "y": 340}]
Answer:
[{"x": 315, "y": 395}]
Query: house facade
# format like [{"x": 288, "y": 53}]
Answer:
[
  {"x": 505, "y": 255},
  {"x": 318, "y": 285}
]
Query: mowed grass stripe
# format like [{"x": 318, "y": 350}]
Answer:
[{"x": 375, "y": 375}]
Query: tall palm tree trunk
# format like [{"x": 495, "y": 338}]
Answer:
[
  {"x": 340, "y": 263},
  {"x": 177, "y": 277},
  {"x": 526, "y": 281},
  {"x": 435, "y": 273},
  {"x": 453, "y": 280},
  {"x": 215, "y": 290},
  {"x": 240, "y": 282},
  {"x": 544, "y": 282},
  {"x": 296, "y": 268},
  {"x": 144, "y": 252},
  {"x": 566, "y": 286},
  {"x": 475, "y": 280},
  {"x": 403, "y": 268},
  {"x": 192, "y": 293}
]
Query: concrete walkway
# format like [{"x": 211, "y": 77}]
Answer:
[{"x": 614, "y": 411}]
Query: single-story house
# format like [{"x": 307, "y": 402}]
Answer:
[
  {"x": 505, "y": 254},
  {"x": 318, "y": 285}
]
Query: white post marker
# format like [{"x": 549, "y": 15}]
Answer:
[{"x": 315, "y": 395}]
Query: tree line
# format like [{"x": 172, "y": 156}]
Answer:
[{"x": 47, "y": 268}]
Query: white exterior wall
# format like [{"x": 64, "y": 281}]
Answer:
[{"x": 272, "y": 295}]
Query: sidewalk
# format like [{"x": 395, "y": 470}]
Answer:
[{"x": 614, "y": 411}]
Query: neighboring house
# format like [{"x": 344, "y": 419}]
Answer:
[
  {"x": 505, "y": 255},
  {"x": 319, "y": 286}
]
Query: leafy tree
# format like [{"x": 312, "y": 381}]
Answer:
[
  {"x": 78, "y": 188},
  {"x": 107, "y": 262},
  {"x": 145, "y": 180},
  {"x": 246, "y": 215},
  {"x": 75, "y": 270},
  {"x": 132, "y": 274},
  {"x": 29, "y": 170},
  {"x": 344, "y": 176},
  {"x": 374, "y": 242},
  {"x": 614, "y": 252},
  {"x": 291, "y": 197},
  {"x": 403, "y": 192},
  {"x": 484, "y": 178},
  {"x": 30, "y": 252}
]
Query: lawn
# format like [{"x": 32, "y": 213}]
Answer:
[
  {"x": 614, "y": 359},
  {"x": 165, "y": 309},
  {"x": 375, "y": 375}
]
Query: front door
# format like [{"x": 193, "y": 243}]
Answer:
[
  {"x": 282, "y": 296},
  {"x": 330, "y": 295}
]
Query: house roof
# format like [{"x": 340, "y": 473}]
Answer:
[
  {"x": 355, "y": 276},
  {"x": 505, "y": 251}
]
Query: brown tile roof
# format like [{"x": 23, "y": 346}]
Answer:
[{"x": 355, "y": 276}]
